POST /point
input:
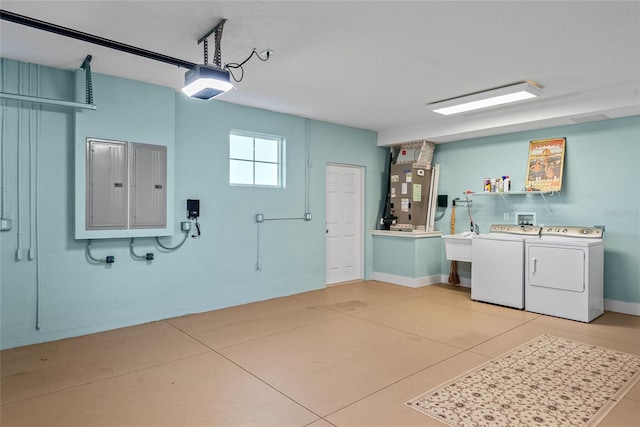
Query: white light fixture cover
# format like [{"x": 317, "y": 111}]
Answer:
[
  {"x": 488, "y": 98},
  {"x": 206, "y": 82}
]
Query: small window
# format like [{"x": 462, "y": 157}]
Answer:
[{"x": 255, "y": 160}]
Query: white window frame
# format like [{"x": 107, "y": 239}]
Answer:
[{"x": 280, "y": 163}]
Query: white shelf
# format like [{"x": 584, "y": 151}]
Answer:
[{"x": 514, "y": 193}]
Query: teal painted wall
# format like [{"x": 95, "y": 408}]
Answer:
[
  {"x": 395, "y": 255},
  {"x": 128, "y": 111},
  {"x": 214, "y": 271},
  {"x": 217, "y": 270},
  {"x": 407, "y": 257},
  {"x": 427, "y": 256},
  {"x": 601, "y": 186}
]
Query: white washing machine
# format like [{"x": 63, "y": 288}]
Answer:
[
  {"x": 497, "y": 271},
  {"x": 564, "y": 273}
]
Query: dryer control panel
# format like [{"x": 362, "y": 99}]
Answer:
[{"x": 572, "y": 231}]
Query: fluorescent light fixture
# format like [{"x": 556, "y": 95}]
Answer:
[
  {"x": 487, "y": 98},
  {"x": 206, "y": 82}
]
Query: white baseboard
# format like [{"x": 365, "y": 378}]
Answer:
[
  {"x": 609, "y": 304},
  {"x": 407, "y": 281},
  {"x": 622, "y": 307}
]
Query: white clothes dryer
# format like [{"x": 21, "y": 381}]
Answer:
[
  {"x": 564, "y": 273},
  {"x": 497, "y": 270}
]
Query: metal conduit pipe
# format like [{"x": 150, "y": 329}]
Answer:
[
  {"x": 40, "y": 100},
  {"x": 3, "y": 179},
  {"x": 307, "y": 166},
  {"x": 109, "y": 259},
  {"x": 146, "y": 257},
  {"x": 173, "y": 248},
  {"x": 34, "y": 114},
  {"x": 18, "y": 169},
  {"x": 97, "y": 260}
]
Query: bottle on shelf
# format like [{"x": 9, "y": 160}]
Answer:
[{"x": 506, "y": 183}]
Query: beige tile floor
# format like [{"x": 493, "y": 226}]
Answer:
[{"x": 348, "y": 355}]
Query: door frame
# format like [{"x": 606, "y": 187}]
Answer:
[{"x": 361, "y": 216}]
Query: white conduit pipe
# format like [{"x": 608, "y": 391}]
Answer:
[
  {"x": 19, "y": 137},
  {"x": 258, "y": 260},
  {"x": 33, "y": 140},
  {"x": 132, "y": 250},
  {"x": 3, "y": 177},
  {"x": 91, "y": 257},
  {"x": 307, "y": 160},
  {"x": 37, "y": 210}
]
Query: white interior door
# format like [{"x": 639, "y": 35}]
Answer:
[{"x": 344, "y": 235}]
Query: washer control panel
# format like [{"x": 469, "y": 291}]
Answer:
[
  {"x": 572, "y": 231},
  {"x": 526, "y": 230}
]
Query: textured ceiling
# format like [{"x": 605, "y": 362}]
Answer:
[{"x": 371, "y": 65}]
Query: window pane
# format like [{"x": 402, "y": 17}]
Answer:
[
  {"x": 241, "y": 147},
  {"x": 267, "y": 174},
  {"x": 240, "y": 172},
  {"x": 266, "y": 150}
]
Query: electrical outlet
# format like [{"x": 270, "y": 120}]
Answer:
[
  {"x": 506, "y": 216},
  {"x": 5, "y": 224}
]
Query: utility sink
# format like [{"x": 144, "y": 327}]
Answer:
[{"x": 458, "y": 246}]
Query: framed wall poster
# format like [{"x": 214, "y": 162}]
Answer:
[{"x": 545, "y": 165}]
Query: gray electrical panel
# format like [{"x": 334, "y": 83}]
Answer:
[
  {"x": 106, "y": 185},
  {"x": 126, "y": 185},
  {"x": 148, "y": 186}
]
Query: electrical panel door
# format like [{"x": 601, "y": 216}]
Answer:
[
  {"x": 106, "y": 185},
  {"x": 148, "y": 186}
]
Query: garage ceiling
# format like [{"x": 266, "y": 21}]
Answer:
[{"x": 371, "y": 65}]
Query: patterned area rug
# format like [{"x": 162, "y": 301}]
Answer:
[{"x": 549, "y": 381}]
